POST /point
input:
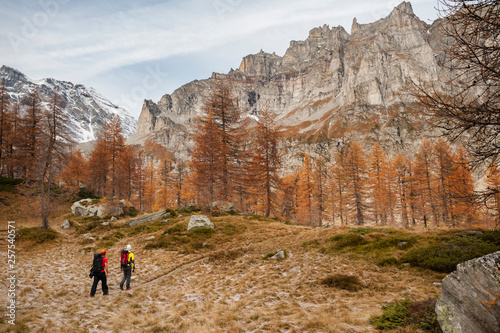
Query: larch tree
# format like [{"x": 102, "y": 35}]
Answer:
[
  {"x": 99, "y": 162},
  {"x": 206, "y": 157},
  {"x": 32, "y": 132},
  {"x": 444, "y": 169},
  {"x": 115, "y": 145},
  {"x": 462, "y": 185},
  {"x": 265, "y": 161},
  {"x": 222, "y": 107},
  {"x": 338, "y": 187},
  {"x": 305, "y": 191},
  {"x": 401, "y": 167},
  {"x": 54, "y": 147},
  {"x": 380, "y": 183},
  {"x": 13, "y": 141},
  {"x": 288, "y": 195},
  {"x": 320, "y": 175},
  {"x": 425, "y": 180},
  {"x": 75, "y": 171},
  {"x": 468, "y": 110},
  {"x": 355, "y": 171},
  {"x": 4, "y": 124},
  {"x": 492, "y": 200}
]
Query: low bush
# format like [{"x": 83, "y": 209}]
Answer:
[
  {"x": 341, "y": 281},
  {"x": 189, "y": 209},
  {"x": 445, "y": 256},
  {"x": 37, "y": 235},
  {"x": 387, "y": 261},
  {"x": 84, "y": 193},
  {"x": 419, "y": 315},
  {"x": 8, "y": 184},
  {"x": 130, "y": 211},
  {"x": 361, "y": 231}
]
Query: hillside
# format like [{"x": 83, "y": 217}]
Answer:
[{"x": 218, "y": 281}]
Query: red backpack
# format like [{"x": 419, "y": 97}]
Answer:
[{"x": 124, "y": 258}]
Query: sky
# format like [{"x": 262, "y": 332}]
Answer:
[{"x": 131, "y": 50}]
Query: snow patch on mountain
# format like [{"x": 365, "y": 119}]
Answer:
[{"x": 87, "y": 109}]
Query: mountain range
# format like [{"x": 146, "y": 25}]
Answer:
[
  {"x": 87, "y": 110},
  {"x": 332, "y": 86}
]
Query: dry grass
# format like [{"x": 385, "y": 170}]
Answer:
[{"x": 231, "y": 289}]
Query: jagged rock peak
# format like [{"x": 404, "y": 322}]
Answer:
[{"x": 403, "y": 8}]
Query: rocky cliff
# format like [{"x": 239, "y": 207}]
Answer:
[
  {"x": 88, "y": 110},
  {"x": 330, "y": 86}
]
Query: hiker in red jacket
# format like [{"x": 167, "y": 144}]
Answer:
[{"x": 100, "y": 271}]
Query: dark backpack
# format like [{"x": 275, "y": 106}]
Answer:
[
  {"x": 124, "y": 258},
  {"x": 96, "y": 264}
]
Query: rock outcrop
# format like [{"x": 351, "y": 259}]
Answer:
[
  {"x": 150, "y": 217},
  {"x": 199, "y": 221},
  {"x": 463, "y": 305},
  {"x": 86, "y": 207},
  {"x": 325, "y": 88}
]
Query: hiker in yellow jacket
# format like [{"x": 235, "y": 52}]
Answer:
[{"x": 127, "y": 265}]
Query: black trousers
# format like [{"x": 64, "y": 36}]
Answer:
[
  {"x": 127, "y": 275},
  {"x": 99, "y": 277}
]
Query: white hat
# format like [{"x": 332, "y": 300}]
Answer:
[{"x": 129, "y": 247}]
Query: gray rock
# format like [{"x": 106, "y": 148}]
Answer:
[
  {"x": 438, "y": 284},
  {"x": 105, "y": 223},
  {"x": 65, "y": 224},
  {"x": 459, "y": 307},
  {"x": 224, "y": 206},
  {"x": 280, "y": 255},
  {"x": 403, "y": 245},
  {"x": 86, "y": 207},
  {"x": 199, "y": 221},
  {"x": 406, "y": 264},
  {"x": 149, "y": 218},
  {"x": 165, "y": 221},
  {"x": 113, "y": 218},
  {"x": 151, "y": 237}
]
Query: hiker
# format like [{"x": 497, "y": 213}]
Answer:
[
  {"x": 127, "y": 266},
  {"x": 99, "y": 272}
]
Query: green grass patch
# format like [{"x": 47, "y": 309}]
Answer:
[
  {"x": 8, "y": 184},
  {"x": 170, "y": 242},
  {"x": 361, "y": 231},
  {"x": 201, "y": 233},
  {"x": 418, "y": 315},
  {"x": 341, "y": 241},
  {"x": 37, "y": 235},
  {"x": 189, "y": 209},
  {"x": 341, "y": 281}
]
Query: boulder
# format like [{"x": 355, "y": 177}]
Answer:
[
  {"x": 113, "y": 218},
  {"x": 149, "y": 218},
  {"x": 224, "y": 206},
  {"x": 65, "y": 224},
  {"x": 463, "y": 303},
  {"x": 280, "y": 255},
  {"x": 199, "y": 221},
  {"x": 86, "y": 207}
]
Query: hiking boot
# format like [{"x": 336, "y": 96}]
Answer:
[
  {"x": 129, "y": 288},
  {"x": 121, "y": 287}
]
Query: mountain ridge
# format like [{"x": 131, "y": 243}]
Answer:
[
  {"x": 329, "y": 86},
  {"x": 88, "y": 110}
]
